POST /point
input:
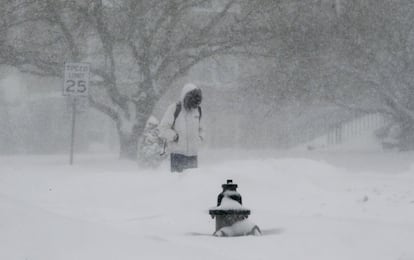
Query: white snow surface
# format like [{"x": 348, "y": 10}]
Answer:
[{"x": 319, "y": 205}]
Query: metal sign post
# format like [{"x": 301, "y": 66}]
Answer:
[
  {"x": 75, "y": 84},
  {"x": 72, "y": 133}
]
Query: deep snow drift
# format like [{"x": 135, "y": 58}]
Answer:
[{"x": 311, "y": 205}]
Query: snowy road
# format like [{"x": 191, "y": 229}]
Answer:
[{"x": 321, "y": 206}]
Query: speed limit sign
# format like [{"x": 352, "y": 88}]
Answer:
[{"x": 76, "y": 82}]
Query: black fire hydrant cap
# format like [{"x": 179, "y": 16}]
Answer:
[{"x": 229, "y": 185}]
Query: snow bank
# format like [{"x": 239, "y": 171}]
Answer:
[{"x": 326, "y": 206}]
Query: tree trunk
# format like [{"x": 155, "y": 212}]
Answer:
[
  {"x": 128, "y": 145},
  {"x": 128, "y": 140}
]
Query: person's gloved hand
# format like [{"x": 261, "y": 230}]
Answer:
[{"x": 175, "y": 139}]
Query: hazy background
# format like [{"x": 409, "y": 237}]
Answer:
[{"x": 274, "y": 74}]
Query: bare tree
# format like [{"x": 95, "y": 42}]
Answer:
[
  {"x": 356, "y": 54},
  {"x": 137, "y": 48},
  {"x": 375, "y": 71}
]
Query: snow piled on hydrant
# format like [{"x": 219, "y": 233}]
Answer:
[{"x": 241, "y": 228}]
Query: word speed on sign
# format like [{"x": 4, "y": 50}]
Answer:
[{"x": 76, "y": 82}]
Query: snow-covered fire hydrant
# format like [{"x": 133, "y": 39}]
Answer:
[{"x": 231, "y": 216}]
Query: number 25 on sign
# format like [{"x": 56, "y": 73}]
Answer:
[{"x": 76, "y": 81}]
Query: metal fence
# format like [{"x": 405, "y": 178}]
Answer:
[{"x": 345, "y": 131}]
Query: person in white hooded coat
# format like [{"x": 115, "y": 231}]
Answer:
[{"x": 181, "y": 127}]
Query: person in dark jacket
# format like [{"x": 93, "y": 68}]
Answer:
[{"x": 181, "y": 127}]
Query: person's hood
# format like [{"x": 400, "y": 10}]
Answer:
[{"x": 187, "y": 88}]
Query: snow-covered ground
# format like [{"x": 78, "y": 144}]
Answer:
[{"x": 311, "y": 205}]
